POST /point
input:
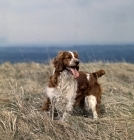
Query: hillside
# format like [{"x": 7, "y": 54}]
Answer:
[{"x": 22, "y": 95}]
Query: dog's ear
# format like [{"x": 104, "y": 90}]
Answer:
[
  {"x": 58, "y": 62},
  {"x": 76, "y": 54}
]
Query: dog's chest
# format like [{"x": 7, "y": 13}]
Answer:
[
  {"x": 66, "y": 90},
  {"x": 64, "y": 94},
  {"x": 67, "y": 85}
]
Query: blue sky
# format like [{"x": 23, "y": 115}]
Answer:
[{"x": 66, "y": 22}]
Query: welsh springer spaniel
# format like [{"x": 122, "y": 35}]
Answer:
[
  {"x": 62, "y": 85},
  {"x": 68, "y": 88},
  {"x": 89, "y": 91}
]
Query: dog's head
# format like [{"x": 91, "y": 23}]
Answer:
[{"x": 67, "y": 60}]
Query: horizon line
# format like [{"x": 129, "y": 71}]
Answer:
[{"x": 64, "y": 45}]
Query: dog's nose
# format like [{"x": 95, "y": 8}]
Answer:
[{"x": 77, "y": 62}]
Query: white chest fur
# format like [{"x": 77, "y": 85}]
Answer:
[{"x": 63, "y": 96}]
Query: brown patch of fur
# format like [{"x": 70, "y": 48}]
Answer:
[
  {"x": 53, "y": 80},
  {"x": 46, "y": 105}
]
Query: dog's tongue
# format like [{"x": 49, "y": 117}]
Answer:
[{"x": 74, "y": 72}]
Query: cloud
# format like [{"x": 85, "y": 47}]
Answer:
[{"x": 72, "y": 21}]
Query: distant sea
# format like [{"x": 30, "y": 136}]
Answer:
[{"x": 87, "y": 53}]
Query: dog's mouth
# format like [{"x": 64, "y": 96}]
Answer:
[{"x": 73, "y": 70}]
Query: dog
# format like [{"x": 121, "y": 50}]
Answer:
[
  {"x": 89, "y": 91},
  {"x": 61, "y": 90}
]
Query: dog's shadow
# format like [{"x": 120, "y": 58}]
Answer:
[
  {"x": 77, "y": 111},
  {"x": 87, "y": 114}
]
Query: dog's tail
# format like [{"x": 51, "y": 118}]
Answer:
[{"x": 99, "y": 73}]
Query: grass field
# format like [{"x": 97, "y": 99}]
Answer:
[{"x": 22, "y": 94}]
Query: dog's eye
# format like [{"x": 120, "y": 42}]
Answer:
[{"x": 68, "y": 57}]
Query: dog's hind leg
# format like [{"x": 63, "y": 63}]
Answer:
[{"x": 92, "y": 103}]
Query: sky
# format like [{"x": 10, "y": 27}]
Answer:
[{"x": 68, "y": 22}]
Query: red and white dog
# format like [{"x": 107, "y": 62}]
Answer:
[
  {"x": 62, "y": 86},
  {"x": 68, "y": 88}
]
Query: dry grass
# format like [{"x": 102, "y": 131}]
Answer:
[{"x": 21, "y": 97}]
